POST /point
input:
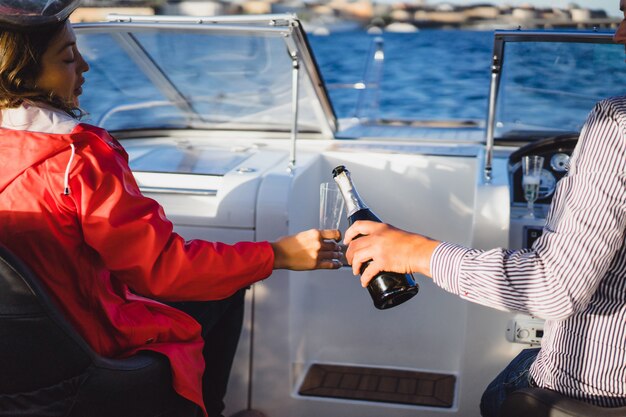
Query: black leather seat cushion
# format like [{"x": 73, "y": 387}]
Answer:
[{"x": 539, "y": 402}]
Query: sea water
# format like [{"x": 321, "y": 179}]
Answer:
[
  {"x": 437, "y": 74},
  {"x": 428, "y": 75}
]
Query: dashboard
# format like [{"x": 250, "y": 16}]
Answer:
[{"x": 556, "y": 151}]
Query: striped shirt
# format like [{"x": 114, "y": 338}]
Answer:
[{"x": 574, "y": 276}]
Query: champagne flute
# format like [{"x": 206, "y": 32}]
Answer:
[
  {"x": 331, "y": 209},
  {"x": 531, "y": 179},
  {"x": 331, "y": 206}
]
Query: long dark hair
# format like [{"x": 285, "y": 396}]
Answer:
[{"x": 20, "y": 66}]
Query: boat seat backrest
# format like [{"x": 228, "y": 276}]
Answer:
[
  {"x": 37, "y": 347},
  {"x": 539, "y": 402},
  {"x": 49, "y": 370}
]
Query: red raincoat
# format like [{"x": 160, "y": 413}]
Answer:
[{"x": 71, "y": 209}]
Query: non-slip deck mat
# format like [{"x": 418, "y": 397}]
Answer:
[{"x": 379, "y": 384}]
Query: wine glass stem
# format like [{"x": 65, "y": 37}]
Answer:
[{"x": 531, "y": 208}]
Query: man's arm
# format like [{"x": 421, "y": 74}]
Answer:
[{"x": 558, "y": 276}]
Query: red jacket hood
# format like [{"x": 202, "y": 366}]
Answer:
[{"x": 28, "y": 136}]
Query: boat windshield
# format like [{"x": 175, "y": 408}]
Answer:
[
  {"x": 182, "y": 76},
  {"x": 548, "y": 88}
]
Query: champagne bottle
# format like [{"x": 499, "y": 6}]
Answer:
[{"x": 387, "y": 289}]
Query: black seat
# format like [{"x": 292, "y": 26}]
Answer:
[
  {"x": 47, "y": 369},
  {"x": 539, "y": 402}
]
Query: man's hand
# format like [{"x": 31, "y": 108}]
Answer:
[
  {"x": 312, "y": 249},
  {"x": 388, "y": 248}
]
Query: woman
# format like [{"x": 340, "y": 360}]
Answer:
[{"x": 70, "y": 208}]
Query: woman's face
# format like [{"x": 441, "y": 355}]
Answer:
[{"x": 62, "y": 67}]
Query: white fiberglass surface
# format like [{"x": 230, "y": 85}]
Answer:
[
  {"x": 185, "y": 158},
  {"x": 302, "y": 318},
  {"x": 204, "y": 182}
]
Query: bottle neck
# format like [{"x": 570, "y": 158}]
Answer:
[{"x": 351, "y": 197}]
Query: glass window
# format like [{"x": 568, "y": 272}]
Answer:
[
  {"x": 550, "y": 88},
  {"x": 170, "y": 78},
  {"x": 117, "y": 94}
]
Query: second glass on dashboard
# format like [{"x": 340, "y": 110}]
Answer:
[
  {"x": 331, "y": 206},
  {"x": 532, "y": 166}
]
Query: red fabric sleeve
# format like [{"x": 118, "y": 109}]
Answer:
[{"x": 136, "y": 241}]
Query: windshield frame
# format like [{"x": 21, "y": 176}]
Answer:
[
  {"x": 286, "y": 27},
  {"x": 501, "y": 38}
]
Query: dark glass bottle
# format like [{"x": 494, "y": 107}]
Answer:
[{"x": 387, "y": 289}]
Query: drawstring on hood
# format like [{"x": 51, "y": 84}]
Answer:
[{"x": 66, "y": 188}]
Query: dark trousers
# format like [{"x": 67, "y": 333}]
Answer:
[
  {"x": 221, "y": 323},
  {"x": 515, "y": 376}
]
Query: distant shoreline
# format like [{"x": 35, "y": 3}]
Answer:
[{"x": 337, "y": 14}]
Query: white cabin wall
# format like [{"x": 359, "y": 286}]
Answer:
[
  {"x": 324, "y": 316},
  {"x": 487, "y": 351}
]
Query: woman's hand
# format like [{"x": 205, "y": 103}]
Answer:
[
  {"x": 312, "y": 249},
  {"x": 390, "y": 249}
]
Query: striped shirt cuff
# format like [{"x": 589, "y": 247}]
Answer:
[{"x": 445, "y": 266}]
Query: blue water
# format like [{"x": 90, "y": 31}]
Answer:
[{"x": 430, "y": 74}]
